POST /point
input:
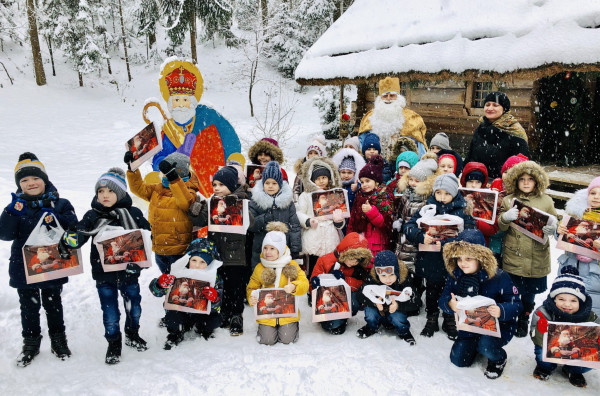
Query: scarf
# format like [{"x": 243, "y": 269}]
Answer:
[
  {"x": 45, "y": 200},
  {"x": 509, "y": 124},
  {"x": 468, "y": 285},
  {"x": 165, "y": 182},
  {"x": 277, "y": 265},
  {"x": 379, "y": 198},
  {"x": 559, "y": 316},
  {"x": 121, "y": 215}
]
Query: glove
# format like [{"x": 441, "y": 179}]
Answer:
[
  {"x": 133, "y": 269},
  {"x": 197, "y": 207},
  {"x": 128, "y": 159},
  {"x": 71, "y": 239},
  {"x": 542, "y": 324},
  {"x": 63, "y": 250},
  {"x": 397, "y": 225},
  {"x": 210, "y": 293},
  {"x": 511, "y": 214},
  {"x": 166, "y": 280},
  {"x": 338, "y": 274},
  {"x": 315, "y": 282},
  {"x": 549, "y": 229},
  {"x": 17, "y": 206},
  {"x": 168, "y": 169},
  {"x": 230, "y": 200}
]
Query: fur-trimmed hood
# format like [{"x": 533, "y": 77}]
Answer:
[
  {"x": 408, "y": 142},
  {"x": 402, "y": 269},
  {"x": 531, "y": 168},
  {"x": 578, "y": 204},
  {"x": 425, "y": 188},
  {"x": 354, "y": 246},
  {"x": 262, "y": 146},
  {"x": 282, "y": 199},
  {"x": 486, "y": 258},
  {"x": 307, "y": 169},
  {"x": 298, "y": 165},
  {"x": 359, "y": 161}
]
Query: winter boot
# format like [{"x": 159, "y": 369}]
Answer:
[
  {"x": 133, "y": 340},
  {"x": 59, "y": 347},
  {"x": 113, "y": 353},
  {"x": 495, "y": 369},
  {"x": 408, "y": 337},
  {"x": 338, "y": 330},
  {"x": 236, "y": 327},
  {"x": 226, "y": 321},
  {"x": 173, "y": 339},
  {"x": 522, "y": 325},
  {"x": 577, "y": 380},
  {"x": 162, "y": 322},
  {"x": 31, "y": 348},
  {"x": 431, "y": 326},
  {"x": 449, "y": 326},
  {"x": 365, "y": 332},
  {"x": 541, "y": 373}
]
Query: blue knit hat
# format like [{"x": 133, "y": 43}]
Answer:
[
  {"x": 569, "y": 282},
  {"x": 407, "y": 159},
  {"x": 227, "y": 175},
  {"x": 371, "y": 141},
  {"x": 203, "y": 248},
  {"x": 115, "y": 180},
  {"x": 387, "y": 258},
  {"x": 471, "y": 235},
  {"x": 273, "y": 171}
]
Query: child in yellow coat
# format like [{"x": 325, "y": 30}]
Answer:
[{"x": 276, "y": 269}]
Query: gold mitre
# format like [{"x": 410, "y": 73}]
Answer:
[{"x": 389, "y": 84}]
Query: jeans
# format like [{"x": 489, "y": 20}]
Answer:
[
  {"x": 467, "y": 346},
  {"x": 551, "y": 366},
  {"x": 164, "y": 261},
  {"x": 109, "y": 301},
  {"x": 29, "y": 300},
  {"x": 396, "y": 319},
  {"x": 334, "y": 324},
  {"x": 528, "y": 300}
]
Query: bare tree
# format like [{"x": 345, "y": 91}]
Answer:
[
  {"x": 124, "y": 41},
  {"x": 38, "y": 66}
]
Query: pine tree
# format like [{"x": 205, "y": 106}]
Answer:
[
  {"x": 147, "y": 17},
  {"x": 50, "y": 12},
  {"x": 245, "y": 13},
  {"x": 328, "y": 104}
]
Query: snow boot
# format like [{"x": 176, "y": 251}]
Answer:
[
  {"x": 173, "y": 339},
  {"x": 495, "y": 369},
  {"x": 162, "y": 322},
  {"x": 408, "y": 337},
  {"x": 541, "y": 373},
  {"x": 133, "y": 340},
  {"x": 449, "y": 326},
  {"x": 31, "y": 348},
  {"x": 236, "y": 327},
  {"x": 431, "y": 326},
  {"x": 59, "y": 347},
  {"x": 522, "y": 325},
  {"x": 338, "y": 330},
  {"x": 113, "y": 353},
  {"x": 365, "y": 332},
  {"x": 577, "y": 380},
  {"x": 226, "y": 321}
]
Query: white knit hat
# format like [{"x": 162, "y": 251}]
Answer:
[
  {"x": 275, "y": 239},
  {"x": 318, "y": 145}
]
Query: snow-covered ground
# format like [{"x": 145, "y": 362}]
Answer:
[{"x": 78, "y": 133}]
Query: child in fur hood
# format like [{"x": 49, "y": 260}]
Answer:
[
  {"x": 389, "y": 271},
  {"x": 264, "y": 151},
  {"x": 473, "y": 271},
  {"x": 569, "y": 302},
  {"x": 277, "y": 269},
  {"x": 526, "y": 260},
  {"x": 315, "y": 149},
  {"x": 349, "y": 261}
]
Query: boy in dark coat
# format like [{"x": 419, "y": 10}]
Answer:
[
  {"x": 112, "y": 206},
  {"x": 473, "y": 271},
  {"x": 36, "y": 196}
]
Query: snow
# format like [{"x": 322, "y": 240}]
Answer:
[
  {"x": 78, "y": 133},
  {"x": 430, "y": 36}
]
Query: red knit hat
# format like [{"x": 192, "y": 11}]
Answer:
[
  {"x": 512, "y": 161},
  {"x": 373, "y": 170}
]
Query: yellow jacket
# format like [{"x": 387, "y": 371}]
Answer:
[
  {"x": 256, "y": 282},
  {"x": 414, "y": 126},
  {"x": 167, "y": 214}
]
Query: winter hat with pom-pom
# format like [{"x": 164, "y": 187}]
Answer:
[
  {"x": 569, "y": 282},
  {"x": 373, "y": 170},
  {"x": 512, "y": 161},
  {"x": 273, "y": 171},
  {"x": 371, "y": 141},
  {"x": 181, "y": 162},
  {"x": 30, "y": 165},
  {"x": 115, "y": 180},
  {"x": 386, "y": 259},
  {"x": 276, "y": 239},
  {"x": 423, "y": 169},
  {"x": 318, "y": 145},
  {"x": 203, "y": 248}
]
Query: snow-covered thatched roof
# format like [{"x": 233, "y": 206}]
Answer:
[{"x": 442, "y": 39}]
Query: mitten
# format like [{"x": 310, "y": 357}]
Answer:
[
  {"x": 166, "y": 280},
  {"x": 315, "y": 282},
  {"x": 128, "y": 159},
  {"x": 63, "y": 250},
  {"x": 542, "y": 324},
  {"x": 210, "y": 293},
  {"x": 133, "y": 269},
  {"x": 197, "y": 207},
  {"x": 584, "y": 259},
  {"x": 397, "y": 225},
  {"x": 511, "y": 215},
  {"x": 230, "y": 200},
  {"x": 549, "y": 229},
  {"x": 168, "y": 169},
  {"x": 71, "y": 239},
  {"x": 338, "y": 274},
  {"x": 17, "y": 206}
]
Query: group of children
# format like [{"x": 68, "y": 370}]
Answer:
[{"x": 377, "y": 245}]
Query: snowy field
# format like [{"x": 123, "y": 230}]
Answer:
[{"x": 78, "y": 133}]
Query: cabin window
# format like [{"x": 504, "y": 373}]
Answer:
[{"x": 480, "y": 91}]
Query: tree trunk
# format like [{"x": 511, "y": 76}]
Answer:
[
  {"x": 124, "y": 41},
  {"x": 80, "y": 79},
  {"x": 106, "y": 49},
  {"x": 49, "y": 42},
  {"x": 40, "y": 75},
  {"x": 151, "y": 39},
  {"x": 193, "y": 34},
  {"x": 265, "y": 15}
]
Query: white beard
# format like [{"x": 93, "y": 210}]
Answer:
[
  {"x": 182, "y": 115},
  {"x": 387, "y": 118},
  {"x": 43, "y": 256}
]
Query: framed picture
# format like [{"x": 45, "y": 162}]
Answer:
[
  {"x": 43, "y": 263},
  {"x": 530, "y": 221},
  {"x": 440, "y": 228},
  {"x": 275, "y": 303},
  {"x": 231, "y": 218},
  {"x": 254, "y": 173},
  {"x": 573, "y": 344},
  {"x": 484, "y": 201},
  {"x": 580, "y": 237},
  {"x": 325, "y": 202},
  {"x": 332, "y": 300},
  {"x": 186, "y": 296},
  {"x": 473, "y": 316},
  {"x": 144, "y": 145},
  {"x": 118, "y": 247}
]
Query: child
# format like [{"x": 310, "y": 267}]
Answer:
[
  {"x": 202, "y": 253},
  {"x": 430, "y": 265},
  {"x": 231, "y": 247},
  {"x": 404, "y": 163},
  {"x": 315, "y": 149},
  {"x": 439, "y": 142},
  {"x": 272, "y": 203},
  {"x": 349, "y": 163},
  {"x": 475, "y": 175},
  {"x": 373, "y": 208},
  {"x": 169, "y": 203},
  {"x": 36, "y": 196},
  {"x": 473, "y": 271},
  {"x": 450, "y": 162},
  {"x": 352, "y": 143},
  {"x": 569, "y": 302},
  {"x": 264, "y": 151},
  {"x": 526, "y": 260},
  {"x": 371, "y": 148},
  {"x": 585, "y": 205},
  {"x": 277, "y": 269},
  {"x": 319, "y": 236},
  {"x": 388, "y": 271},
  {"x": 112, "y": 206},
  {"x": 349, "y": 261}
]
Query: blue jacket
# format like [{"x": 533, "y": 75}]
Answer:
[
  {"x": 430, "y": 265},
  {"x": 17, "y": 228}
]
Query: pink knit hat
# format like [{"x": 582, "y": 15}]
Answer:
[
  {"x": 595, "y": 183},
  {"x": 512, "y": 161}
]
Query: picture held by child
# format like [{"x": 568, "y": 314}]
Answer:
[{"x": 349, "y": 163}]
